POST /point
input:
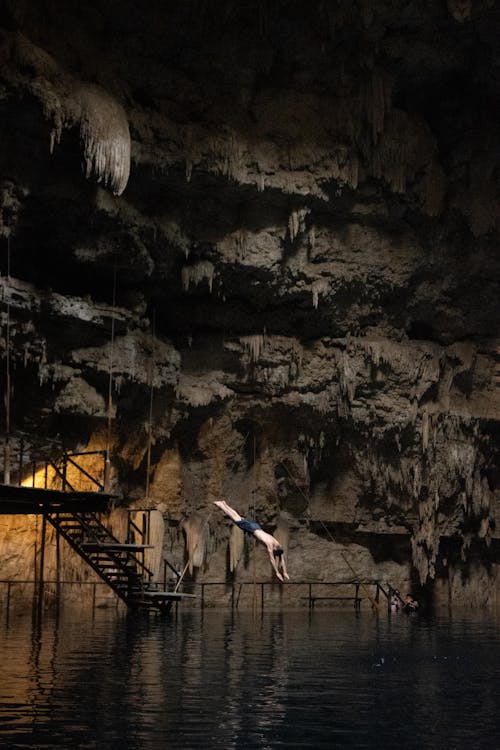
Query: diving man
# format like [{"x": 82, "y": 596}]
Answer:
[{"x": 274, "y": 548}]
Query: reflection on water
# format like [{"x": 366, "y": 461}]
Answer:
[{"x": 235, "y": 680}]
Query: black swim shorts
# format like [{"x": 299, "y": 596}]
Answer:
[{"x": 248, "y": 526}]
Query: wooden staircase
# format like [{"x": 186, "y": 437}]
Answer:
[
  {"x": 120, "y": 565},
  {"x": 76, "y": 516}
]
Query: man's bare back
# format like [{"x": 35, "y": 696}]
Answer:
[{"x": 274, "y": 549}]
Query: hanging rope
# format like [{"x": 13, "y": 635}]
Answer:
[
  {"x": 183, "y": 573},
  {"x": 358, "y": 580},
  {"x": 150, "y": 415},
  {"x": 7, "y": 378},
  {"x": 110, "y": 383},
  {"x": 236, "y": 550},
  {"x": 7, "y": 347},
  {"x": 241, "y": 550},
  {"x": 254, "y": 587},
  {"x": 179, "y": 581},
  {"x": 374, "y": 602},
  {"x": 295, "y": 482}
]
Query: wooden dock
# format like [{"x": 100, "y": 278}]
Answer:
[{"x": 17, "y": 499}]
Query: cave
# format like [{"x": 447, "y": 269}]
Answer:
[{"x": 250, "y": 251}]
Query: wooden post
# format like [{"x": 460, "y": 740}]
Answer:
[
  {"x": 35, "y": 553},
  {"x": 6, "y": 461},
  {"x": 21, "y": 460},
  {"x": 144, "y": 536},
  {"x": 41, "y": 580},
  {"x": 7, "y": 394},
  {"x": 65, "y": 466},
  {"x": 58, "y": 562},
  {"x": 9, "y": 584},
  {"x": 105, "y": 471}
]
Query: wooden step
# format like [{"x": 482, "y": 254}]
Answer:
[{"x": 114, "y": 547}]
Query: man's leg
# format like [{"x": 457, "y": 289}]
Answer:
[{"x": 233, "y": 515}]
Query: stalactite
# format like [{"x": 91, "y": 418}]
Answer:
[
  {"x": 344, "y": 166},
  {"x": 319, "y": 286},
  {"x": 296, "y": 222},
  {"x": 347, "y": 377},
  {"x": 228, "y": 156},
  {"x": 200, "y": 391},
  {"x": 202, "y": 271},
  {"x": 196, "y": 531},
  {"x": 103, "y": 125},
  {"x": 312, "y": 237},
  {"x": 236, "y": 546},
  {"x": 104, "y": 134},
  {"x": 254, "y": 345},
  {"x": 241, "y": 239},
  {"x": 449, "y": 472},
  {"x": 295, "y": 360},
  {"x": 425, "y": 538},
  {"x": 425, "y": 429},
  {"x": 105, "y": 137}
]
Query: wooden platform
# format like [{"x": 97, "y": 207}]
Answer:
[
  {"x": 16, "y": 499},
  {"x": 355, "y": 599},
  {"x": 114, "y": 547},
  {"x": 168, "y": 595}
]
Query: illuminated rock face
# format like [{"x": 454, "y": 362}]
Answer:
[{"x": 294, "y": 207}]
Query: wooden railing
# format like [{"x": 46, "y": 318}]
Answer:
[
  {"x": 22, "y": 466},
  {"x": 309, "y": 594},
  {"x": 354, "y": 591}
]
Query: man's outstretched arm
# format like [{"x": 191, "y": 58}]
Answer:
[{"x": 283, "y": 568}]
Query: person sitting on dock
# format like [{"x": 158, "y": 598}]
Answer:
[
  {"x": 410, "y": 604},
  {"x": 274, "y": 548}
]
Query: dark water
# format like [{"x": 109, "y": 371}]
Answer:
[{"x": 223, "y": 680}]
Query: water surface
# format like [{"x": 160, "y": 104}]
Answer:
[{"x": 326, "y": 679}]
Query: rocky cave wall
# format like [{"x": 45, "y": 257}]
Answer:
[{"x": 252, "y": 248}]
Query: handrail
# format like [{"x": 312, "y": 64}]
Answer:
[
  {"x": 62, "y": 475},
  {"x": 82, "y": 470},
  {"x": 24, "y": 462},
  {"x": 131, "y": 555},
  {"x": 275, "y": 585},
  {"x": 233, "y": 584}
]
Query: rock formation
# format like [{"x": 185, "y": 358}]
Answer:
[{"x": 252, "y": 249}]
